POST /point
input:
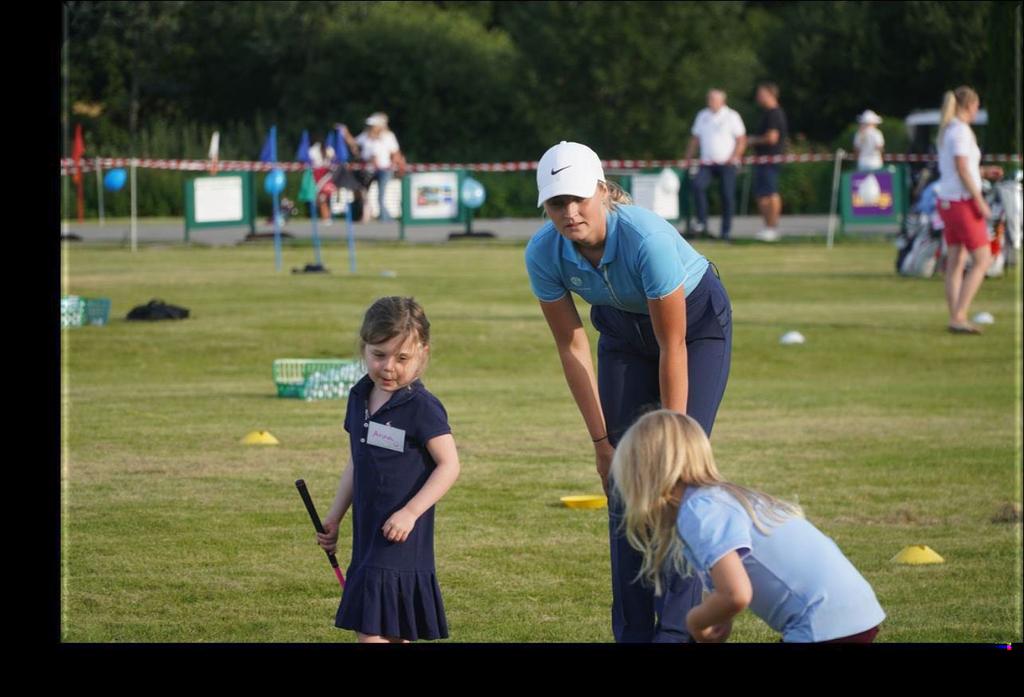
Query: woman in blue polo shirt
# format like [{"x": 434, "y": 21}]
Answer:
[{"x": 666, "y": 338}]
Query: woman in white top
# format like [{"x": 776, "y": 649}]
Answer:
[
  {"x": 961, "y": 205},
  {"x": 868, "y": 142},
  {"x": 378, "y": 148}
]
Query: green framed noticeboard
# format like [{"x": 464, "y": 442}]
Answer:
[
  {"x": 873, "y": 197},
  {"x": 432, "y": 198},
  {"x": 225, "y": 199}
]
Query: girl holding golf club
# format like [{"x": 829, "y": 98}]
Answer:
[
  {"x": 747, "y": 548},
  {"x": 403, "y": 461},
  {"x": 666, "y": 338}
]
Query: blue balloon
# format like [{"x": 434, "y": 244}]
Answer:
[
  {"x": 473, "y": 193},
  {"x": 274, "y": 181},
  {"x": 114, "y": 179}
]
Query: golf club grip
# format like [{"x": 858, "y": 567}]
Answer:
[
  {"x": 307, "y": 499},
  {"x": 304, "y": 493}
]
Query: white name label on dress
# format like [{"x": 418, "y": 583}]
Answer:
[{"x": 385, "y": 436}]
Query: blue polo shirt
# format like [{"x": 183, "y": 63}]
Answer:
[
  {"x": 803, "y": 586},
  {"x": 644, "y": 258}
]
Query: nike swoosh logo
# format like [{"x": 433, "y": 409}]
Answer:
[{"x": 556, "y": 171}]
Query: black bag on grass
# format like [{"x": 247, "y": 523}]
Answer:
[{"x": 157, "y": 309}]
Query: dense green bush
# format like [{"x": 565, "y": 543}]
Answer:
[{"x": 495, "y": 81}]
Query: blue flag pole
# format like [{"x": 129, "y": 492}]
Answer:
[
  {"x": 277, "y": 203},
  {"x": 341, "y": 151},
  {"x": 351, "y": 239},
  {"x": 313, "y": 213},
  {"x": 302, "y": 155}
]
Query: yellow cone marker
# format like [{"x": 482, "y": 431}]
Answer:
[
  {"x": 584, "y": 501},
  {"x": 918, "y": 554},
  {"x": 260, "y": 438}
]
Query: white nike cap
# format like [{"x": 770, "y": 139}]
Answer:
[{"x": 568, "y": 169}]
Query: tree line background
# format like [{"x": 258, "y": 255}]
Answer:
[{"x": 495, "y": 81}]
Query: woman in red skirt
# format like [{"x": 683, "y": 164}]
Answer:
[{"x": 961, "y": 205}]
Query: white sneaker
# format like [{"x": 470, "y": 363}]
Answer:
[{"x": 767, "y": 235}]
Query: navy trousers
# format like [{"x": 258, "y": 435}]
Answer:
[
  {"x": 627, "y": 377},
  {"x": 727, "y": 182}
]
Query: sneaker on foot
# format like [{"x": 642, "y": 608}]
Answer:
[{"x": 767, "y": 235}]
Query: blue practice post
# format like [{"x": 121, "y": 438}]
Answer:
[
  {"x": 341, "y": 150},
  {"x": 351, "y": 238},
  {"x": 277, "y": 203},
  {"x": 316, "y": 237},
  {"x": 307, "y": 190}
]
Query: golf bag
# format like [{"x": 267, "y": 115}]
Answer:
[
  {"x": 920, "y": 250},
  {"x": 1010, "y": 198},
  {"x": 1002, "y": 243},
  {"x": 919, "y": 245}
]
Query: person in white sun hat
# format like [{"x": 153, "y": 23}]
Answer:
[
  {"x": 868, "y": 142},
  {"x": 665, "y": 324},
  {"x": 379, "y": 150}
]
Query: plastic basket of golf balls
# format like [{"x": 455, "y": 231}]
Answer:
[
  {"x": 316, "y": 378},
  {"x": 76, "y": 311}
]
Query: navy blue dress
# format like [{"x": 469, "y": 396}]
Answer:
[{"x": 391, "y": 588}]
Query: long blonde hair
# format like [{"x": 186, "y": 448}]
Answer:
[
  {"x": 658, "y": 457},
  {"x": 616, "y": 195},
  {"x": 960, "y": 98}
]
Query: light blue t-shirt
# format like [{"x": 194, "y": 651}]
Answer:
[
  {"x": 644, "y": 257},
  {"x": 803, "y": 586}
]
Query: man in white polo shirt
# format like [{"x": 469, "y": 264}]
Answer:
[{"x": 722, "y": 137}]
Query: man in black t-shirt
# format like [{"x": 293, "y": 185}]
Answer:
[{"x": 769, "y": 139}]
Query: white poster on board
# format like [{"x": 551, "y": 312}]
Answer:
[
  {"x": 434, "y": 196},
  {"x": 218, "y": 199},
  {"x": 658, "y": 193}
]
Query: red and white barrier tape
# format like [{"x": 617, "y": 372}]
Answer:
[{"x": 67, "y": 165}]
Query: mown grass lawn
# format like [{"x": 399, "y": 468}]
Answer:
[{"x": 886, "y": 429}]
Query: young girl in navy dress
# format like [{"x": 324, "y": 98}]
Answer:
[
  {"x": 403, "y": 461},
  {"x": 747, "y": 548}
]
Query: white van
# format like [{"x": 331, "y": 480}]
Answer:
[{"x": 923, "y": 125}]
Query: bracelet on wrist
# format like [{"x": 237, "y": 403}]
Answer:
[{"x": 598, "y": 440}]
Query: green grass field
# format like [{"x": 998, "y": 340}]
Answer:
[{"x": 886, "y": 429}]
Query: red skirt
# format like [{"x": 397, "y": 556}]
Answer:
[{"x": 964, "y": 223}]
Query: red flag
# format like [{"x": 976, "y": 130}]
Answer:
[{"x": 77, "y": 150}]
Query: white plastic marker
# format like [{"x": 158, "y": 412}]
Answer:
[{"x": 792, "y": 338}]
